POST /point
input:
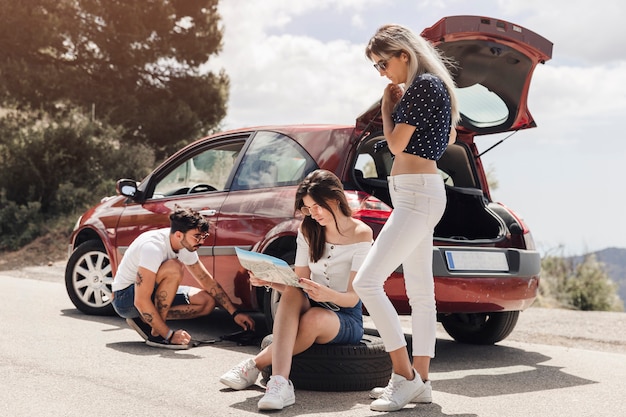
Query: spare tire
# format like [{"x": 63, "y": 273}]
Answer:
[{"x": 333, "y": 367}]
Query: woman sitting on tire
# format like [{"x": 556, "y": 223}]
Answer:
[{"x": 331, "y": 245}]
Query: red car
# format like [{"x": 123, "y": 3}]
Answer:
[{"x": 244, "y": 181}]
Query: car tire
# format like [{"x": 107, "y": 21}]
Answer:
[
  {"x": 480, "y": 328},
  {"x": 88, "y": 279},
  {"x": 270, "y": 306},
  {"x": 333, "y": 367},
  {"x": 270, "y": 296}
]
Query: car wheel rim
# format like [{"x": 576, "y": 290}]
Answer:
[{"x": 92, "y": 279}]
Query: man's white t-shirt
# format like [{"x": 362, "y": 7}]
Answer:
[{"x": 149, "y": 251}]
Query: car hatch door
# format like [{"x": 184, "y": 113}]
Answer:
[{"x": 495, "y": 61}]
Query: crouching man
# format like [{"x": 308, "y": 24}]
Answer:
[{"x": 147, "y": 290}]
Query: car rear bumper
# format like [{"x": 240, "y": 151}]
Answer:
[
  {"x": 477, "y": 280},
  {"x": 485, "y": 294}
]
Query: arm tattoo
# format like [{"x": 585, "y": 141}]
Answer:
[
  {"x": 139, "y": 279},
  {"x": 216, "y": 291},
  {"x": 219, "y": 295}
]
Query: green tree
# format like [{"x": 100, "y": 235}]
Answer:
[
  {"x": 59, "y": 165},
  {"x": 134, "y": 63}
]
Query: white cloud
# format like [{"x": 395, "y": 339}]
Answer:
[
  {"x": 282, "y": 78},
  {"x": 582, "y": 31},
  {"x": 579, "y": 102}
]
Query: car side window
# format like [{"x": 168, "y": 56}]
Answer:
[
  {"x": 203, "y": 172},
  {"x": 366, "y": 166},
  {"x": 373, "y": 162},
  {"x": 272, "y": 160}
]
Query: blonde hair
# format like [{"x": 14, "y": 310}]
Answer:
[{"x": 391, "y": 40}]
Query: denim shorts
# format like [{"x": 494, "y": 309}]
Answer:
[
  {"x": 124, "y": 300},
  {"x": 350, "y": 324}
]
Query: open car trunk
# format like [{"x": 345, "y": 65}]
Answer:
[
  {"x": 494, "y": 60},
  {"x": 467, "y": 218}
]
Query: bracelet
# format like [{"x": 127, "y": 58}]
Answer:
[
  {"x": 235, "y": 313},
  {"x": 169, "y": 336}
]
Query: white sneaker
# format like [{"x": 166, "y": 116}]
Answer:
[
  {"x": 426, "y": 397},
  {"x": 278, "y": 394},
  {"x": 398, "y": 393},
  {"x": 241, "y": 376}
]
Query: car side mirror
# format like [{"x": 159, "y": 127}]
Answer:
[{"x": 126, "y": 187}]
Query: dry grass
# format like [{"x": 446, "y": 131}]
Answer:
[{"x": 42, "y": 251}]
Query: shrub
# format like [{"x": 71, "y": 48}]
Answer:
[
  {"x": 54, "y": 168},
  {"x": 583, "y": 285},
  {"x": 19, "y": 224},
  {"x": 590, "y": 287}
]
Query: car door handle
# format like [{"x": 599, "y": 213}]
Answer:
[{"x": 208, "y": 212}]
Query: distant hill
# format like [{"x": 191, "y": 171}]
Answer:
[{"x": 615, "y": 261}]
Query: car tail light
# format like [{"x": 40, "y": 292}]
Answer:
[
  {"x": 367, "y": 207},
  {"x": 529, "y": 241}
]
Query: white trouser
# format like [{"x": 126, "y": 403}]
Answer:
[{"x": 419, "y": 201}]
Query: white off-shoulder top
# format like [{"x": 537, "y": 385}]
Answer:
[{"x": 334, "y": 267}]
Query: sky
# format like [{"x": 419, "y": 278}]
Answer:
[{"x": 293, "y": 62}]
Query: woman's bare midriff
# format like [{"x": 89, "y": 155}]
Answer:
[{"x": 406, "y": 163}]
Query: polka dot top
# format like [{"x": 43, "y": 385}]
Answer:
[{"x": 426, "y": 105}]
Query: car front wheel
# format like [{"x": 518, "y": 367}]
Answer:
[
  {"x": 270, "y": 307},
  {"x": 271, "y": 297},
  {"x": 88, "y": 279},
  {"x": 480, "y": 328}
]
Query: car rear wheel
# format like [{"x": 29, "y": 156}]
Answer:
[
  {"x": 88, "y": 279},
  {"x": 480, "y": 328}
]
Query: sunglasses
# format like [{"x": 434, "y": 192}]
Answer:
[
  {"x": 381, "y": 65},
  {"x": 307, "y": 211},
  {"x": 200, "y": 236},
  {"x": 384, "y": 63}
]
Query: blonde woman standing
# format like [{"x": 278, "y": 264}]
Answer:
[{"x": 419, "y": 113}]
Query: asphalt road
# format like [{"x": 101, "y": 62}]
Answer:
[{"x": 56, "y": 361}]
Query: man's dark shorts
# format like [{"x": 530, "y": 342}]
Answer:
[{"x": 124, "y": 300}]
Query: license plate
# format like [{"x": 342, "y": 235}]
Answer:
[{"x": 476, "y": 261}]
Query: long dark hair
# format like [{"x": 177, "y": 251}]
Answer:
[{"x": 322, "y": 186}]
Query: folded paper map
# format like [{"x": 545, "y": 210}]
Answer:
[{"x": 268, "y": 268}]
